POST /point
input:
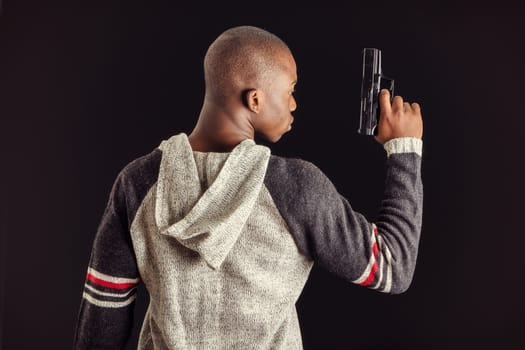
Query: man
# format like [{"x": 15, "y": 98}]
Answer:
[{"x": 223, "y": 234}]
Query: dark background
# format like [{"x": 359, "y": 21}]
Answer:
[{"x": 86, "y": 87}]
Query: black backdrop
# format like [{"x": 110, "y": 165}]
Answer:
[{"x": 87, "y": 87}]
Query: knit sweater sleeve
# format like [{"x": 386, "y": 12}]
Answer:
[
  {"x": 105, "y": 317},
  {"x": 379, "y": 255}
]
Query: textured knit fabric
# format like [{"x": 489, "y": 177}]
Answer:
[
  {"x": 224, "y": 243},
  {"x": 378, "y": 255}
]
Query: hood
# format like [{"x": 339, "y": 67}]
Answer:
[{"x": 205, "y": 203}]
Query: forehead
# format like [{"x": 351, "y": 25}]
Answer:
[{"x": 288, "y": 65}]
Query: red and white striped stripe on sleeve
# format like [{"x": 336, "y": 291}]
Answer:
[
  {"x": 109, "y": 291},
  {"x": 378, "y": 271}
]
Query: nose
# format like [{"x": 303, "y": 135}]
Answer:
[{"x": 293, "y": 104}]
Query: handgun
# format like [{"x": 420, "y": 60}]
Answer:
[{"x": 372, "y": 83}]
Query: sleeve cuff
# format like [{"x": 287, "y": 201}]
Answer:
[{"x": 404, "y": 145}]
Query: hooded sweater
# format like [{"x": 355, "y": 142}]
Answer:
[{"x": 224, "y": 244}]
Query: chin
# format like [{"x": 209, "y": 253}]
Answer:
[
  {"x": 273, "y": 139},
  {"x": 268, "y": 138}
]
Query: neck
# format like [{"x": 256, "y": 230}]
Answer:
[{"x": 219, "y": 129}]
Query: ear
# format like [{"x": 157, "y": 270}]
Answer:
[{"x": 252, "y": 99}]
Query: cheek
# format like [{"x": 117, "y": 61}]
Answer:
[
  {"x": 278, "y": 108},
  {"x": 285, "y": 104}
]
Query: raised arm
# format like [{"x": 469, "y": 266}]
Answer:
[{"x": 381, "y": 254}]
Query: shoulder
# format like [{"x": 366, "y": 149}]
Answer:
[
  {"x": 136, "y": 179},
  {"x": 281, "y": 168},
  {"x": 141, "y": 172},
  {"x": 142, "y": 166},
  {"x": 296, "y": 178}
]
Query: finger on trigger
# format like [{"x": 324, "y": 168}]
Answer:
[{"x": 384, "y": 100}]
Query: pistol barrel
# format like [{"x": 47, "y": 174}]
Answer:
[{"x": 370, "y": 87}]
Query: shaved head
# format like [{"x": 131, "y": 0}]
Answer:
[
  {"x": 250, "y": 79},
  {"x": 242, "y": 58}
]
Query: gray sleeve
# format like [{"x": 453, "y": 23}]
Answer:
[
  {"x": 380, "y": 255},
  {"x": 105, "y": 317}
]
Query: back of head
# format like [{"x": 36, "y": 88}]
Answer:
[{"x": 241, "y": 58}]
